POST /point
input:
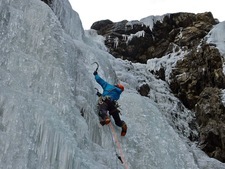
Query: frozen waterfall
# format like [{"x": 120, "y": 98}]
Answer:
[{"x": 48, "y": 117}]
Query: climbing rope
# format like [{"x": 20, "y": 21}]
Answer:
[
  {"x": 113, "y": 140},
  {"x": 115, "y": 148},
  {"x": 119, "y": 155}
]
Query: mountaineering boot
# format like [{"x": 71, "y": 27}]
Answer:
[
  {"x": 102, "y": 122},
  {"x": 106, "y": 121},
  {"x": 124, "y": 129}
]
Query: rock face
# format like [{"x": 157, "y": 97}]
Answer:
[
  {"x": 197, "y": 82},
  {"x": 198, "y": 78},
  {"x": 136, "y": 42}
]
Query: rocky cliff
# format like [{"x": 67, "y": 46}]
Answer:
[{"x": 197, "y": 80}]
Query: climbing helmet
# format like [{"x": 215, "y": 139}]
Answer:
[{"x": 120, "y": 86}]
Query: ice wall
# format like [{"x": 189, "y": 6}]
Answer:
[
  {"x": 40, "y": 124},
  {"x": 69, "y": 19}
]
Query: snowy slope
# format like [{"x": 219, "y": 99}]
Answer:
[{"x": 46, "y": 83}]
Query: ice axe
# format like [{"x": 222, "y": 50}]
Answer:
[
  {"x": 97, "y": 66},
  {"x": 98, "y": 93}
]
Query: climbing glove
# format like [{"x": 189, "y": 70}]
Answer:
[
  {"x": 95, "y": 73},
  {"x": 98, "y": 94}
]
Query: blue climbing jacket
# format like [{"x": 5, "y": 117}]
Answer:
[{"x": 108, "y": 90}]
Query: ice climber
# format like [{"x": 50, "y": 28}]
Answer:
[{"x": 107, "y": 103}]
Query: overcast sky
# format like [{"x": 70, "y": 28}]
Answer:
[{"x": 91, "y": 11}]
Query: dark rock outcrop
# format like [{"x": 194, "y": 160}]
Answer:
[
  {"x": 210, "y": 113},
  {"x": 134, "y": 41},
  {"x": 195, "y": 72},
  {"x": 144, "y": 90},
  {"x": 101, "y": 25},
  {"x": 197, "y": 81}
]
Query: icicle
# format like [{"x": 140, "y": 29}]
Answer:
[
  {"x": 138, "y": 34},
  {"x": 116, "y": 42}
]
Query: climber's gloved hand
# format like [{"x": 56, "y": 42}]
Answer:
[
  {"x": 98, "y": 94},
  {"x": 95, "y": 73}
]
